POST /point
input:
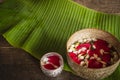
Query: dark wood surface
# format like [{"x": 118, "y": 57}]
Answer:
[
  {"x": 107, "y": 6},
  {"x": 16, "y": 64}
]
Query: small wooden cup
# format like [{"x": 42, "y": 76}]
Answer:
[{"x": 89, "y": 73}]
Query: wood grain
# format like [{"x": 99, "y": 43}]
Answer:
[
  {"x": 16, "y": 64},
  {"x": 107, "y": 6}
]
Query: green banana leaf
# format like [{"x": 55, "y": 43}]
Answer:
[{"x": 41, "y": 26}]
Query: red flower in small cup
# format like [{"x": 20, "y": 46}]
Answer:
[{"x": 52, "y": 64}]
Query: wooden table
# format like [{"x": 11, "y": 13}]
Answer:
[
  {"x": 16, "y": 64},
  {"x": 107, "y": 6}
]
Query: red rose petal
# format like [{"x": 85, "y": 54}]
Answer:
[
  {"x": 93, "y": 63},
  {"x": 76, "y": 60},
  {"x": 54, "y": 60},
  {"x": 106, "y": 48},
  {"x": 91, "y": 52},
  {"x": 106, "y": 58},
  {"x": 74, "y": 57},
  {"x": 86, "y": 45},
  {"x": 83, "y": 52},
  {"x": 94, "y": 51},
  {"x": 49, "y": 66},
  {"x": 101, "y": 44}
]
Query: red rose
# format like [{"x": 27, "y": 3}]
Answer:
[
  {"x": 74, "y": 57},
  {"x": 54, "y": 60},
  {"x": 91, "y": 52},
  {"x": 93, "y": 63},
  {"x": 101, "y": 44},
  {"x": 86, "y": 45},
  {"x": 106, "y": 58},
  {"x": 49, "y": 66}
]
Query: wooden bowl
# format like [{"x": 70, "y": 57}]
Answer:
[{"x": 89, "y": 73}]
